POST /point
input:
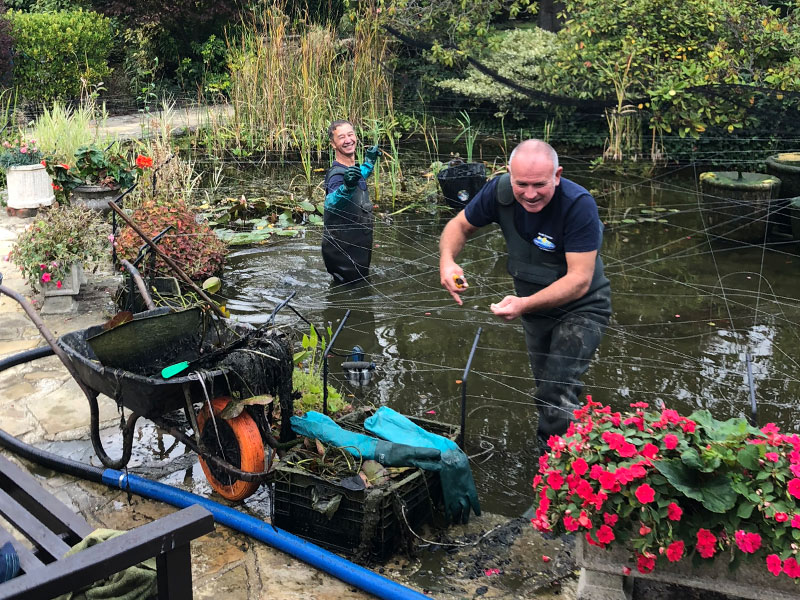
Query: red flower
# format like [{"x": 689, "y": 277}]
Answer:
[
  {"x": 772, "y": 456},
  {"x": 645, "y": 564},
  {"x": 796, "y": 521},
  {"x": 605, "y": 535},
  {"x": 570, "y": 524},
  {"x": 781, "y": 517},
  {"x": 791, "y": 568},
  {"x": 144, "y": 162},
  {"x": 584, "y": 520},
  {"x": 626, "y": 571},
  {"x": 579, "y": 467},
  {"x": 610, "y": 519},
  {"x": 645, "y": 494},
  {"x": 58, "y": 284},
  {"x": 706, "y": 543},
  {"x": 674, "y": 512},
  {"x": 671, "y": 441},
  {"x": 644, "y": 530},
  {"x": 774, "y": 564},
  {"x": 675, "y": 551},
  {"x": 555, "y": 480},
  {"x": 545, "y": 558},
  {"x": 607, "y": 480},
  {"x": 688, "y": 427},
  {"x": 649, "y": 451},
  {"x": 44, "y": 163},
  {"x": 46, "y": 277},
  {"x": 793, "y": 487}
]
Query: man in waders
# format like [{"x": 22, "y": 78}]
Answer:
[
  {"x": 553, "y": 234},
  {"x": 347, "y": 223}
]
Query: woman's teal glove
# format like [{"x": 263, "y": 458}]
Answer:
[
  {"x": 321, "y": 427},
  {"x": 458, "y": 486},
  {"x": 351, "y": 176},
  {"x": 371, "y": 155}
]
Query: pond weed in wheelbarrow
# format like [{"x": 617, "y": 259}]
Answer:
[
  {"x": 315, "y": 499},
  {"x": 230, "y": 366}
]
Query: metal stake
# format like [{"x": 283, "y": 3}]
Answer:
[
  {"x": 325, "y": 364},
  {"x": 461, "y": 436}
]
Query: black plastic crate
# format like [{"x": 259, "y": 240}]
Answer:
[
  {"x": 460, "y": 183},
  {"x": 367, "y": 524}
]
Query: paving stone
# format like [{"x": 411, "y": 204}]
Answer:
[
  {"x": 9, "y": 348},
  {"x": 15, "y": 421},
  {"x": 66, "y": 409}
]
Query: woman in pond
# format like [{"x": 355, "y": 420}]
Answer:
[{"x": 347, "y": 231}]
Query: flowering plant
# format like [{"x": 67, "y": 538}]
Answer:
[
  {"x": 96, "y": 166},
  {"x": 671, "y": 487},
  {"x": 59, "y": 237},
  {"x": 18, "y": 153}
]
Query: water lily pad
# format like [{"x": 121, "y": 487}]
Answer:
[
  {"x": 307, "y": 206},
  {"x": 212, "y": 285}
]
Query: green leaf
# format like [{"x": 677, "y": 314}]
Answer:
[
  {"x": 212, "y": 285},
  {"x": 307, "y": 206},
  {"x": 745, "y": 509},
  {"x": 715, "y": 492},
  {"x": 748, "y": 457}
]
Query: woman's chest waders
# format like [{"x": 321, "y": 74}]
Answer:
[{"x": 347, "y": 236}]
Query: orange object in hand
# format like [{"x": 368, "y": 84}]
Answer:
[{"x": 461, "y": 283}]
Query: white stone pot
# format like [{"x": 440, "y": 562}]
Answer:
[
  {"x": 29, "y": 187},
  {"x": 63, "y": 300}
]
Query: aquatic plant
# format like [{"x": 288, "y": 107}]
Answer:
[
  {"x": 468, "y": 132},
  {"x": 671, "y": 487}
]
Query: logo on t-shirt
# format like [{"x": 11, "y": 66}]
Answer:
[{"x": 544, "y": 242}]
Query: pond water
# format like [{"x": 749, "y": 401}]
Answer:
[{"x": 686, "y": 312}]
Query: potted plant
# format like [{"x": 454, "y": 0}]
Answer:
[
  {"x": 54, "y": 249},
  {"x": 29, "y": 185},
  {"x": 672, "y": 490},
  {"x": 97, "y": 175}
]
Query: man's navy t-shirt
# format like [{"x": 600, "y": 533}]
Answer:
[{"x": 570, "y": 220}]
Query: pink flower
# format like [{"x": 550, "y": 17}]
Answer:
[
  {"x": 671, "y": 441},
  {"x": 747, "y": 542},
  {"x": 644, "y": 530},
  {"x": 781, "y": 517},
  {"x": 796, "y": 521},
  {"x": 555, "y": 480},
  {"x": 674, "y": 512},
  {"x": 772, "y": 456},
  {"x": 23, "y": 150},
  {"x": 570, "y": 524},
  {"x": 46, "y": 277},
  {"x": 649, "y": 450},
  {"x": 688, "y": 427},
  {"x": 774, "y": 564},
  {"x": 675, "y": 551},
  {"x": 645, "y": 494},
  {"x": 791, "y": 568},
  {"x": 793, "y": 487},
  {"x": 58, "y": 284},
  {"x": 607, "y": 480}
]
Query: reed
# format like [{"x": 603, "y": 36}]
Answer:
[
  {"x": 468, "y": 132},
  {"x": 289, "y": 83},
  {"x": 61, "y": 130}
]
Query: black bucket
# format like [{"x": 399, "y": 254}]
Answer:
[{"x": 461, "y": 182}]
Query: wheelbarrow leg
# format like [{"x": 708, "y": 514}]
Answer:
[{"x": 97, "y": 444}]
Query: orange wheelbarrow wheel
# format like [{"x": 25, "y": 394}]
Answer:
[{"x": 236, "y": 441}]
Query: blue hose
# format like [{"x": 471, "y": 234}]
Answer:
[{"x": 312, "y": 554}]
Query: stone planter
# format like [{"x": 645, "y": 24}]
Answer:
[
  {"x": 64, "y": 300},
  {"x": 738, "y": 207},
  {"x": 94, "y": 197},
  {"x": 29, "y": 189},
  {"x": 786, "y": 166},
  {"x": 602, "y": 579}
]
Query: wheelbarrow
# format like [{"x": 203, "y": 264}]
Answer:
[{"x": 220, "y": 406}]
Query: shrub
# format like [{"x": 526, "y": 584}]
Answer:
[
  {"x": 56, "y": 53},
  {"x": 192, "y": 245}
]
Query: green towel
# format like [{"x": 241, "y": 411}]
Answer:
[{"x": 134, "y": 583}]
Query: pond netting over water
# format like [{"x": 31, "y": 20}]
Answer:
[{"x": 686, "y": 311}]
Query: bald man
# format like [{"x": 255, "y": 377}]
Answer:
[{"x": 553, "y": 234}]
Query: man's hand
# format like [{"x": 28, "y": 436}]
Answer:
[
  {"x": 509, "y": 308},
  {"x": 371, "y": 154},
  {"x": 351, "y": 176},
  {"x": 453, "y": 280}
]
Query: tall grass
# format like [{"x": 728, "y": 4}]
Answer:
[
  {"x": 61, "y": 130},
  {"x": 289, "y": 84}
]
